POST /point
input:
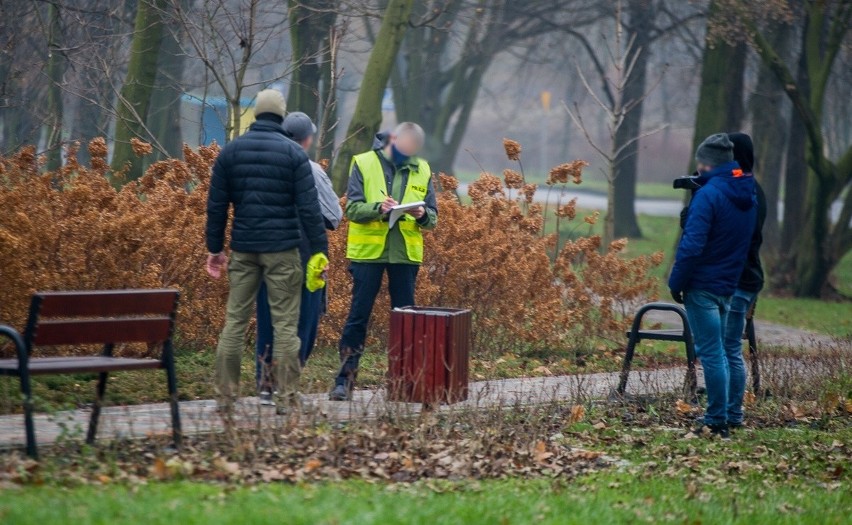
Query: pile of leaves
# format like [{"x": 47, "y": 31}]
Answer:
[{"x": 477, "y": 445}]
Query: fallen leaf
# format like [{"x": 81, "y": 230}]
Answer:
[
  {"x": 541, "y": 453},
  {"x": 749, "y": 399},
  {"x": 160, "y": 470},
  {"x": 830, "y": 402},
  {"x": 312, "y": 464},
  {"x": 683, "y": 408},
  {"x": 578, "y": 412}
]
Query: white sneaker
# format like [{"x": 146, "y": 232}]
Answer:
[{"x": 265, "y": 398}]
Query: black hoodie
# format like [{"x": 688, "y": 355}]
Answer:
[{"x": 751, "y": 279}]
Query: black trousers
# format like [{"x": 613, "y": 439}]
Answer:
[{"x": 367, "y": 280}]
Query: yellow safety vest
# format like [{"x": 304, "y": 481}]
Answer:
[{"x": 366, "y": 241}]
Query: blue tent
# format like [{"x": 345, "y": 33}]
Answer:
[{"x": 214, "y": 114}]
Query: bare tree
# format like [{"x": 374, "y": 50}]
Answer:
[
  {"x": 447, "y": 53},
  {"x": 135, "y": 95},
  {"x": 819, "y": 243},
  {"x": 617, "y": 99},
  {"x": 368, "y": 115},
  {"x": 233, "y": 41}
]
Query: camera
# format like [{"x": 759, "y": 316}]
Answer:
[{"x": 687, "y": 182}]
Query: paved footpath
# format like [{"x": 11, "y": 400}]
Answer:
[{"x": 201, "y": 417}]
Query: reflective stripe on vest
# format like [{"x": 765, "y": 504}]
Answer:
[{"x": 366, "y": 241}]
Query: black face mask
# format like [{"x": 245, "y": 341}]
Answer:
[{"x": 399, "y": 158}]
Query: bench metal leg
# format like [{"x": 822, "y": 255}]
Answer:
[
  {"x": 96, "y": 408},
  {"x": 753, "y": 358},
  {"x": 625, "y": 367},
  {"x": 691, "y": 382},
  {"x": 171, "y": 380},
  {"x": 32, "y": 446}
]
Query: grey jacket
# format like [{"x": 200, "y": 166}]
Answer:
[{"x": 328, "y": 200}]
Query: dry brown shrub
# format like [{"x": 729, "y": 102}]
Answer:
[
  {"x": 512, "y": 148},
  {"x": 72, "y": 230}
]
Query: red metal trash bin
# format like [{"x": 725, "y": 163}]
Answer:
[{"x": 428, "y": 353}]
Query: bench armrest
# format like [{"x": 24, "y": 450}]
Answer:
[{"x": 18, "y": 341}]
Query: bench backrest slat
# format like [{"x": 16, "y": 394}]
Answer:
[
  {"x": 102, "y": 331},
  {"x": 101, "y": 317},
  {"x": 108, "y": 303}
]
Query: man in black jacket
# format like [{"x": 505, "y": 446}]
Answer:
[
  {"x": 750, "y": 284},
  {"x": 268, "y": 179}
]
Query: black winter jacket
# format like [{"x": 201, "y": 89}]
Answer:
[
  {"x": 268, "y": 179},
  {"x": 751, "y": 279}
]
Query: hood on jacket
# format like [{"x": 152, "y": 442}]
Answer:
[
  {"x": 733, "y": 182},
  {"x": 743, "y": 151},
  {"x": 381, "y": 140}
]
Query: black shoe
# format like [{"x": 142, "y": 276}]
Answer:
[
  {"x": 712, "y": 430},
  {"x": 340, "y": 393}
]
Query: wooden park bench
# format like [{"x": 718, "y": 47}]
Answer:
[
  {"x": 683, "y": 335},
  {"x": 94, "y": 318}
]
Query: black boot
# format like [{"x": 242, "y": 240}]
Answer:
[
  {"x": 340, "y": 393},
  {"x": 713, "y": 430},
  {"x": 349, "y": 358}
]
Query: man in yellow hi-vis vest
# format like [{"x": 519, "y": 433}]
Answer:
[{"x": 380, "y": 179}]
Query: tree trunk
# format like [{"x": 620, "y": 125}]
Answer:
[
  {"x": 367, "y": 116},
  {"x": 311, "y": 83},
  {"x": 720, "y": 99},
  {"x": 720, "y": 96},
  {"x": 817, "y": 246},
  {"x": 812, "y": 265},
  {"x": 55, "y": 71},
  {"x": 327, "y": 119},
  {"x": 92, "y": 116},
  {"x": 623, "y": 199},
  {"x": 770, "y": 137},
  {"x": 135, "y": 97},
  {"x": 795, "y": 183},
  {"x": 308, "y": 35},
  {"x": 437, "y": 87},
  {"x": 460, "y": 101},
  {"x": 164, "y": 115}
]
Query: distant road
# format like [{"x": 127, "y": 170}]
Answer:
[
  {"x": 596, "y": 201},
  {"x": 653, "y": 207}
]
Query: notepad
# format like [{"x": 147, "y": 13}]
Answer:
[{"x": 399, "y": 210}]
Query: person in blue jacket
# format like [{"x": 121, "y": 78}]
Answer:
[{"x": 710, "y": 258}]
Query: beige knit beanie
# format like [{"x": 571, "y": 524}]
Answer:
[{"x": 270, "y": 101}]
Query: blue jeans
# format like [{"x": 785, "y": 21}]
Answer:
[
  {"x": 366, "y": 282},
  {"x": 707, "y": 314},
  {"x": 741, "y": 301},
  {"x": 310, "y": 311}
]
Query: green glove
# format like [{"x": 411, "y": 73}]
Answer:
[{"x": 316, "y": 266}]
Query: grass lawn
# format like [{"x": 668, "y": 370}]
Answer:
[
  {"x": 772, "y": 476},
  {"x": 832, "y": 318},
  {"x": 661, "y": 233}
]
